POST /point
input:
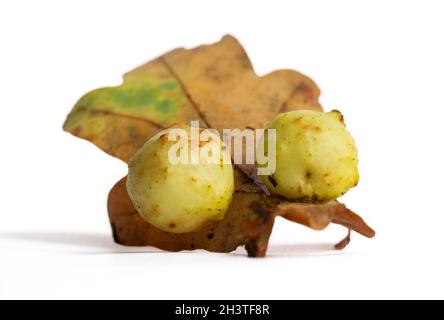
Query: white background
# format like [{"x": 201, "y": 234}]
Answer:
[{"x": 380, "y": 62}]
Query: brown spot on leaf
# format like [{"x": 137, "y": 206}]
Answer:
[
  {"x": 258, "y": 208},
  {"x": 76, "y": 131},
  {"x": 210, "y": 236}
]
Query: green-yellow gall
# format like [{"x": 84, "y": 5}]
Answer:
[
  {"x": 181, "y": 196},
  {"x": 316, "y": 157}
]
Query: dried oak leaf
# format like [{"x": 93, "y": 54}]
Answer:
[{"x": 216, "y": 85}]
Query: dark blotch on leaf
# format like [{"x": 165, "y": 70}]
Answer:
[
  {"x": 210, "y": 236},
  {"x": 257, "y": 208}
]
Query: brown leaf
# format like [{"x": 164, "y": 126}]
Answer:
[
  {"x": 351, "y": 220},
  {"x": 249, "y": 222},
  {"x": 245, "y": 222},
  {"x": 216, "y": 85},
  {"x": 319, "y": 216}
]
